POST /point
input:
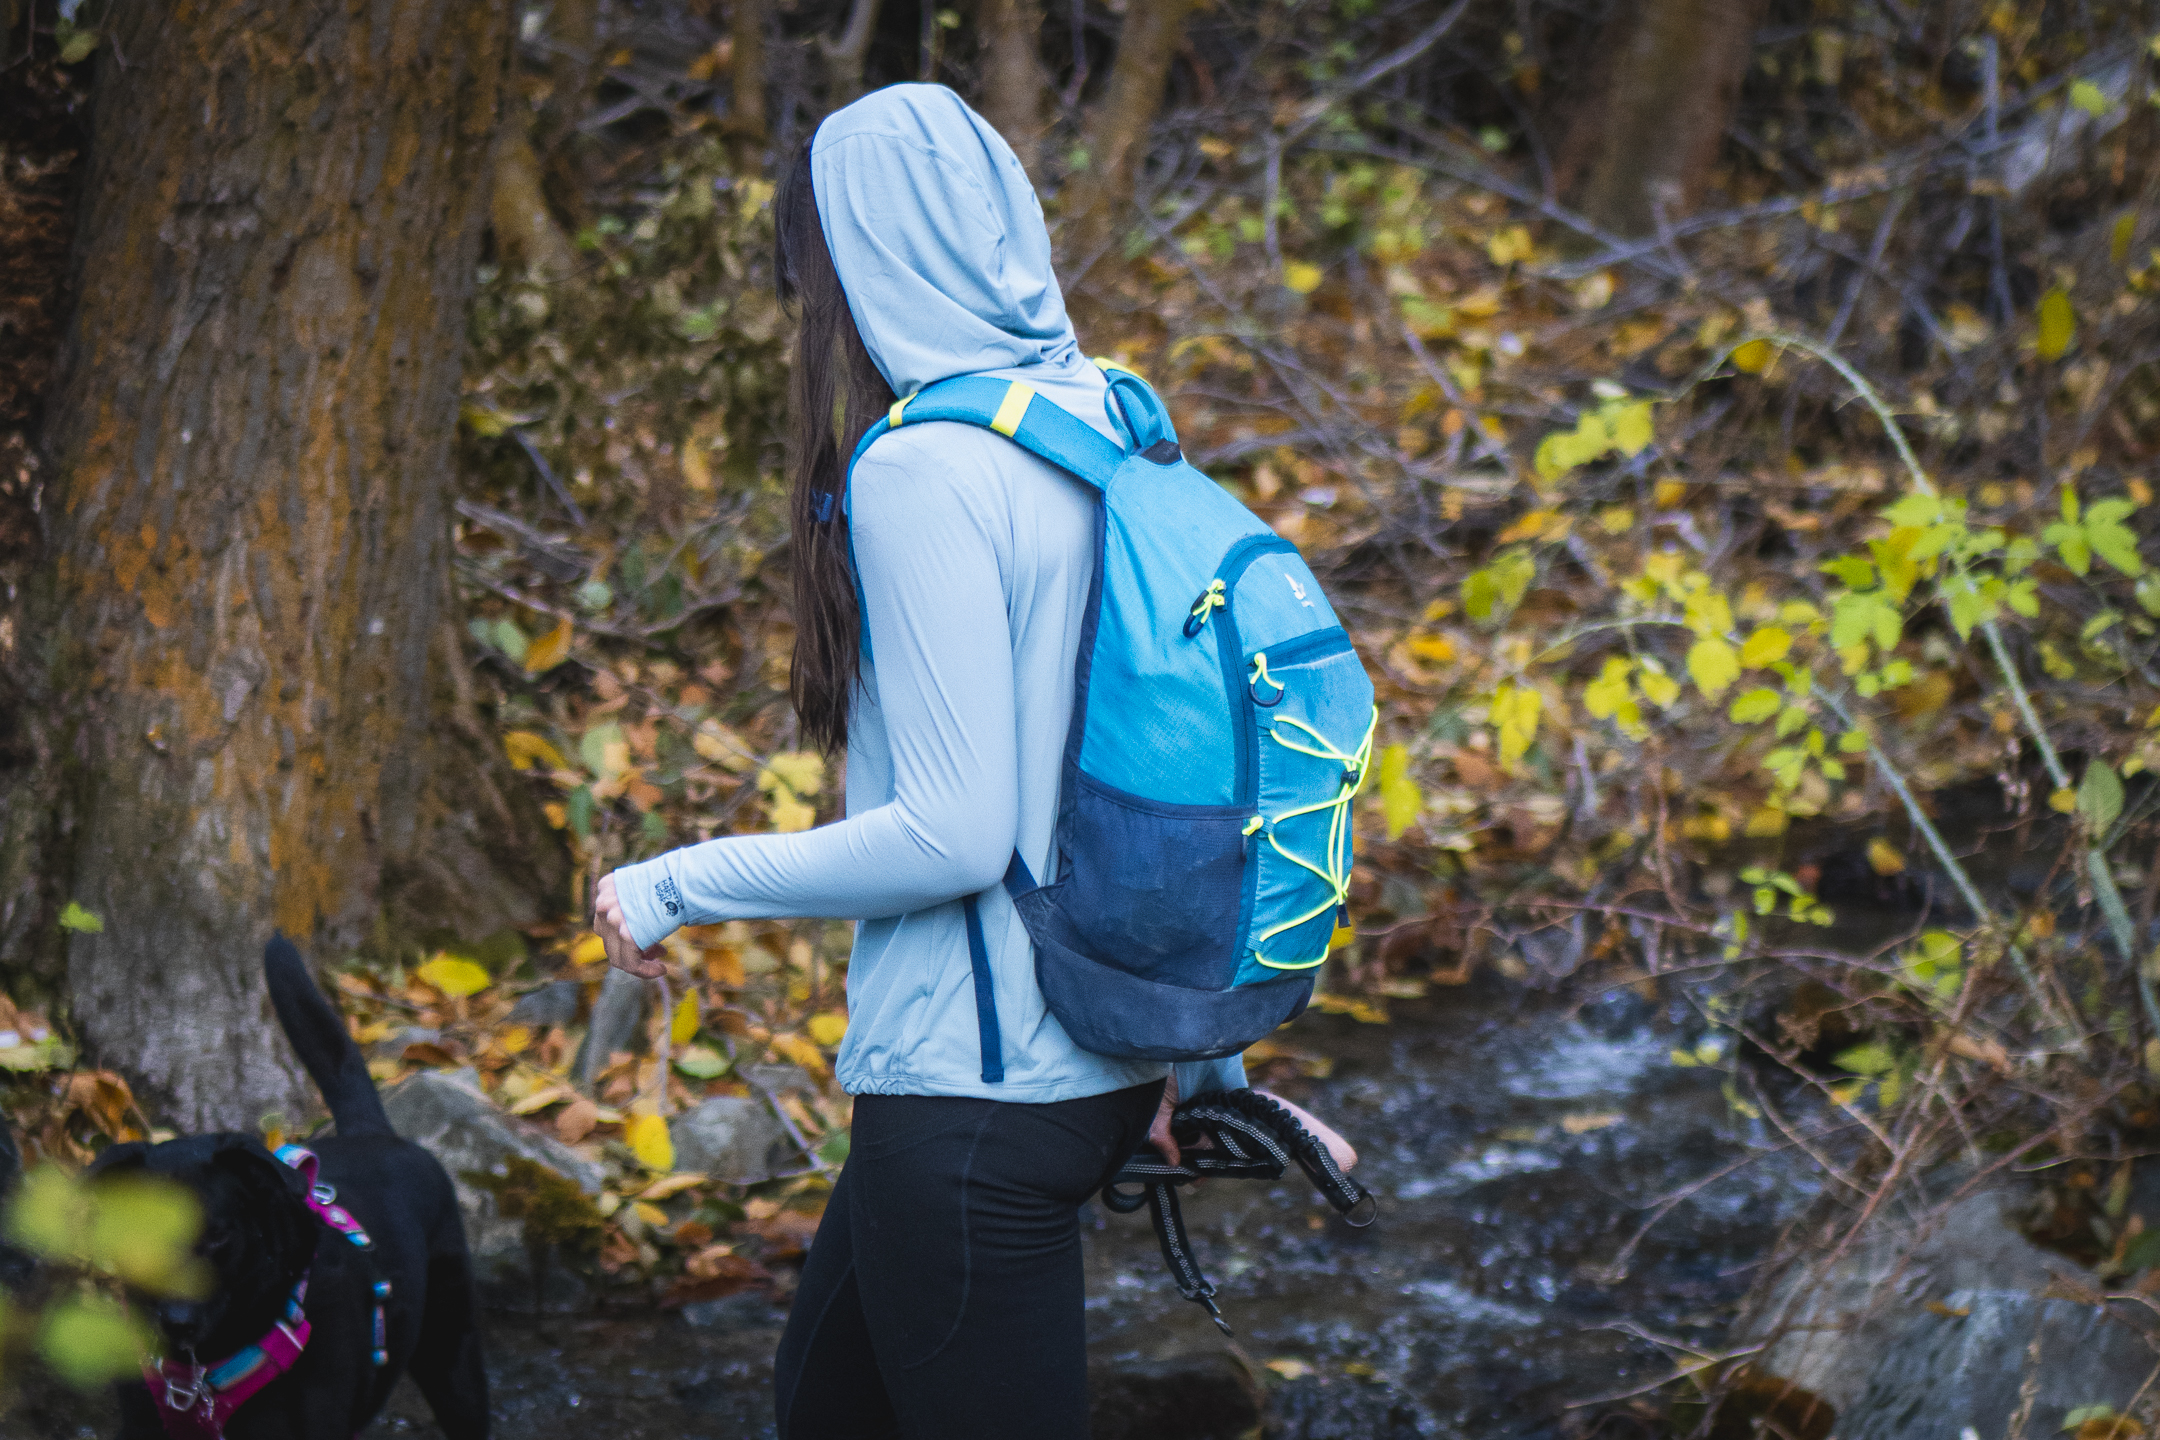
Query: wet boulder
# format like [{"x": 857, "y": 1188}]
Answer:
[
  {"x": 1202, "y": 1396},
  {"x": 1952, "y": 1325},
  {"x": 526, "y": 1197}
]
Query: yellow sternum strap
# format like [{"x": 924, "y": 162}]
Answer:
[{"x": 892, "y": 416}]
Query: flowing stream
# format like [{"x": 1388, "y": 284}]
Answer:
[{"x": 1516, "y": 1142}]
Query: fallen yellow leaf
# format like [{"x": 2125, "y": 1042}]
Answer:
[
  {"x": 1884, "y": 857},
  {"x": 652, "y": 1215},
  {"x": 454, "y": 977},
  {"x": 542, "y": 1098},
  {"x": 673, "y": 1184},
  {"x": 549, "y": 650},
  {"x": 589, "y": 950},
  {"x": 683, "y": 1025},
  {"x": 801, "y": 1051},
  {"x": 1301, "y": 277},
  {"x": 648, "y": 1139},
  {"x": 527, "y": 749},
  {"x": 1584, "y": 1124},
  {"x": 827, "y": 1029}
]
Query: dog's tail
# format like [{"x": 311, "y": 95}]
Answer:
[{"x": 318, "y": 1037}]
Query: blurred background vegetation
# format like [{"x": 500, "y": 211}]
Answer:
[{"x": 1726, "y": 427}]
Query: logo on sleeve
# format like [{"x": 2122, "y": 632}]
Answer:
[{"x": 670, "y": 897}]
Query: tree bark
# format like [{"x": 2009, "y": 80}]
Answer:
[
  {"x": 1014, "y": 81},
  {"x": 244, "y": 674},
  {"x": 845, "y": 53},
  {"x": 1646, "y": 135},
  {"x": 746, "y": 68},
  {"x": 1118, "y": 130}
]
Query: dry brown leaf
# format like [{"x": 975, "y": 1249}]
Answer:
[
  {"x": 575, "y": 1123},
  {"x": 1987, "y": 1052}
]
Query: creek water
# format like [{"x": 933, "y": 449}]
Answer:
[{"x": 1516, "y": 1141}]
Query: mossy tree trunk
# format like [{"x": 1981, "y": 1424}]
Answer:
[
  {"x": 244, "y": 686},
  {"x": 1646, "y": 132}
]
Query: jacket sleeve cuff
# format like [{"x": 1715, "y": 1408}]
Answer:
[
  {"x": 1197, "y": 1077},
  {"x": 652, "y": 902}
]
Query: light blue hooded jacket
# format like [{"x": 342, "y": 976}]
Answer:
[{"x": 974, "y": 560}]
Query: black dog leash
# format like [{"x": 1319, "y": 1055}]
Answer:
[{"x": 1254, "y": 1139}]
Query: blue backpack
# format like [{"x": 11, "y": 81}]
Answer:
[{"x": 1221, "y": 725}]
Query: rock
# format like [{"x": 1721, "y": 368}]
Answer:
[
  {"x": 1201, "y": 1396},
  {"x": 748, "y": 1310},
  {"x": 735, "y": 1138},
  {"x": 525, "y": 1195},
  {"x": 1338, "y": 1408},
  {"x": 555, "y": 1003},
  {"x": 1922, "y": 1334},
  {"x": 780, "y": 1079}
]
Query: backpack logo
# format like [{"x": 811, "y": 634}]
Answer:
[
  {"x": 1297, "y": 590},
  {"x": 670, "y": 897}
]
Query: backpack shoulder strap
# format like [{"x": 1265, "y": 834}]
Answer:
[{"x": 1014, "y": 410}]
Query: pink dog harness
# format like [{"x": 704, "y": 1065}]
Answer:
[{"x": 195, "y": 1401}]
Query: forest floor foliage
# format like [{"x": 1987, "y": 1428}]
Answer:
[{"x": 1758, "y": 605}]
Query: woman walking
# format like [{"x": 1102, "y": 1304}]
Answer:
[{"x": 938, "y": 620}]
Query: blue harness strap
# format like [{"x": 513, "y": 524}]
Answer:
[
  {"x": 1014, "y": 410},
  {"x": 993, "y": 1058}
]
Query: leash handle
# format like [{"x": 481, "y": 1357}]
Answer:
[{"x": 1177, "y": 1253}]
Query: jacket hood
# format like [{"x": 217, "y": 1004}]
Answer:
[{"x": 938, "y": 239}]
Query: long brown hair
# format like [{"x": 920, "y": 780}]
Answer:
[{"x": 821, "y": 436}]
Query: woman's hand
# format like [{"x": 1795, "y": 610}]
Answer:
[
  {"x": 1341, "y": 1150},
  {"x": 1158, "y": 1134},
  {"x": 613, "y": 929}
]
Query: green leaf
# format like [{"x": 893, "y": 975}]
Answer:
[
  {"x": 2143, "y": 1251},
  {"x": 2148, "y": 593},
  {"x": 1755, "y": 707},
  {"x": 90, "y": 1342},
  {"x": 2058, "y": 325},
  {"x": 1766, "y": 646},
  {"x": 509, "y": 639},
  {"x": 75, "y": 44},
  {"x": 1855, "y": 617},
  {"x": 83, "y": 922},
  {"x": 1866, "y": 1060},
  {"x": 1968, "y": 607},
  {"x": 701, "y": 1062},
  {"x": 1852, "y": 572},
  {"x": 1713, "y": 665},
  {"x": 2083, "y": 1413},
  {"x": 2100, "y": 796},
  {"x": 2114, "y": 541},
  {"x": 1489, "y": 594},
  {"x": 1915, "y": 510},
  {"x": 1630, "y": 426},
  {"x": 833, "y": 1149},
  {"x": 1400, "y": 798},
  {"x": 2089, "y": 98}
]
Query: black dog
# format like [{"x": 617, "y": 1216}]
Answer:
[{"x": 260, "y": 1238}]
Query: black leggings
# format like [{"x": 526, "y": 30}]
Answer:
[{"x": 942, "y": 1297}]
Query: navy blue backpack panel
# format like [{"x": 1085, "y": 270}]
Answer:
[{"x": 1221, "y": 725}]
